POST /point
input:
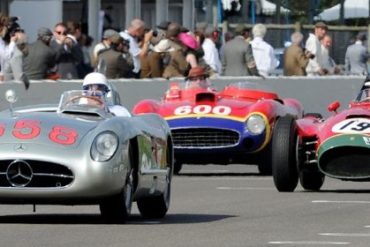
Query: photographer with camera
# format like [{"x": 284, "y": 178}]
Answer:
[
  {"x": 315, "y": 65},
  {"x": 68, "y": 52},
  {"x": 134, "y": 33},
  {"x": 13, "y": 48},
  {"x": 296, "y": 58}
]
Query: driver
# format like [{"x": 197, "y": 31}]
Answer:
[
  {"x": 97, "y": 85},
  {"x": 197, "y": 77}
]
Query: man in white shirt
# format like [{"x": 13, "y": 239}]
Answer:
[
  {"x": 313, "y": 45},
  {"x": 263, "y": 52},
  {"x": 328, "y": 62},
  {"x": 211, "y": 56},
  {"x": 133, "y": 33}
]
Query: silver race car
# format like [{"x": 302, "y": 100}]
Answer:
[{"x": 77, "y": 152}]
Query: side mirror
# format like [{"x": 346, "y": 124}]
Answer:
[
  {"x": 334, "y": 106},
  {"x": 10, "y": 96}
]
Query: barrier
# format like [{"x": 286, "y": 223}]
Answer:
[{"x": 314, "y": 93}]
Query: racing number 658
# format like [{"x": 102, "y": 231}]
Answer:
[{"x": 29, "y": 129}]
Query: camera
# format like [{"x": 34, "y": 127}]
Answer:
[{"x": 12, "y": 28}]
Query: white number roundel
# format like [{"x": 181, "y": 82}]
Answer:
[
  {"x": 352, "y": 125},
  {"x": 203, "y": 109}
]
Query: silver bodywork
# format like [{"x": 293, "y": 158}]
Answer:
[{"x": 46, "y": 155}]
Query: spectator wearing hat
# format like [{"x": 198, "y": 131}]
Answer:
[
  {"x": 158, "y": 58},
  {"x": 181, "y": 61},
  {"x": 237, "y": 59},
  {"x": 13, "y": 68},
  {"x": 313, "y": 45},
  {"x": 357, "y": 56},
  {"x": 197, "y": 78},
  {"x": 41, "y": 58},
  {"x": 104, "y": 44},
  {"x": 134, "y": 33},
  {"x": 116, "y": 64},
  {"x": 263, "y": 52}
]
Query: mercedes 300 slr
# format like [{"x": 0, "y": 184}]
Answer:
[
  {"x": 80, "y": 153},
  {"x": 308, "y": 149},
  {"x": 233, "y": 125}
]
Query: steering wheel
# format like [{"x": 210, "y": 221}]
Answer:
[{"x": 97, "y": 101}]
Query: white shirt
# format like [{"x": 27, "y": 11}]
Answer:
[
  {"x": 264, "y": 56},
  {"x": 313, "y": 45},
  {"x": 327, "y": 62},
  {"x": 211, "y": 56},
  {"x": 134, "y": 50}
]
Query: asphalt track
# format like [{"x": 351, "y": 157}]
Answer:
[{"x": 211, "y": 206}]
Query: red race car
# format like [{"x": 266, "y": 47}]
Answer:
[
  {"x": 233, "y": 125},
  {"x": 311, "y": 148}
]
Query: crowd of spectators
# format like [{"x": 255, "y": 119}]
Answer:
[{"x": 170, "y": 50}]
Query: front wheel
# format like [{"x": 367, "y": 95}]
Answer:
[
  {"x": 117, "y": 208},
  {"x": 311, "y": 180},
  {"x": 157, "y": 206},
  {"x": 284, "y": 154}
]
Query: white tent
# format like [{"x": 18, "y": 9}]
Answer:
[
  {"x": 269, "y": 8},
  {"x": 352, "y": 9}
]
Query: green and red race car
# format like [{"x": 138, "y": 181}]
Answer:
[{"x": 308, "y": 149}]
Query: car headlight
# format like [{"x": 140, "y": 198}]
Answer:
[
  {"x": 255, "y": 124},
  {"x": 104, "y": 146}
]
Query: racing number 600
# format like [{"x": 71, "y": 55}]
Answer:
[{"x": 202, "y": 109}]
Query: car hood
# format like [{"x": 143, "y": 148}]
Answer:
[{"x": 45, "y": 128}]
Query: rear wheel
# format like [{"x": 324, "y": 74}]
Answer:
[
  {"x": 117, "y": 208},
  {"x": 157, "y": 206},
  {"x": 311, "y": 180},
  {"x": 284, "y": 155}
]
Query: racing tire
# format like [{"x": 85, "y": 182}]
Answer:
[
  {"x": 156, "y": 207},
  {"x": 284, "y": 152},
  {"x": 311, "y": 180},
  {"x": 117, "y": 208},
  {"x": 177, "y": 168}
]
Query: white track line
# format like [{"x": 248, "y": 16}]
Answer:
[
  {"x": 326, "y": 201},
  {"x": 315, "y": 243},
  {"x": 338, "y": 234}
]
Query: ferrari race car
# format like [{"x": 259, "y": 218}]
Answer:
[
  {"x": 233, "y": 125},
  {"x": 79, "y": 153},
  {"x": 308, "y": 149}
]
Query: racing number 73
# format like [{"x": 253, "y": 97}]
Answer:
[{"x": 29, "y": 129}]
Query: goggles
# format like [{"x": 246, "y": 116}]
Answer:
[{"x": 96, "y": 87}]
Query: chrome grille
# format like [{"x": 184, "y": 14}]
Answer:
[
  {"x": 44, "y": 174},
  {"x": 204, "y": 137}
]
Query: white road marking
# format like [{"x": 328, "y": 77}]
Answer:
[
  {"x": 244, "y": 188},
  {"x": 325, "y": 201},
  {"x": 309, "y": 243},
  {"x": 338, "y": 234}
]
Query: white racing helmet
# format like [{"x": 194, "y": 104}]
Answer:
[{"x": 95, "y": 78}]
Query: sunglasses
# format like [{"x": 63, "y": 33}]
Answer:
[{"x": 61, "y": 33}]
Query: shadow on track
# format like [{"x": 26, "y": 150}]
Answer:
[{"x": 96, "y": 219}]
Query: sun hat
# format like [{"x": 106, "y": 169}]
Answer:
[{"x": 188, "y": 41}]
